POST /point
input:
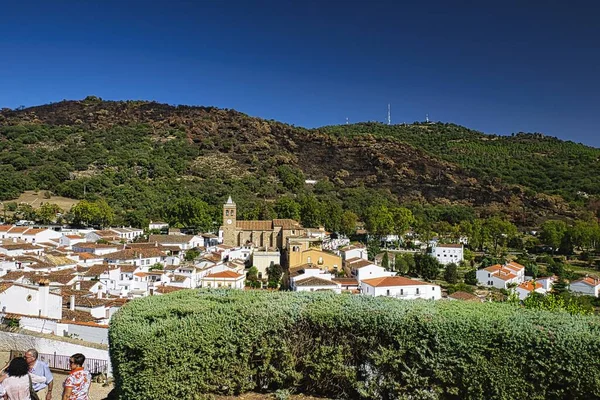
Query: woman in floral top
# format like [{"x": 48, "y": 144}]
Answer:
[{"x": 77, "y": 384}]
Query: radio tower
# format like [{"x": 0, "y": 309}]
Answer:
[
  {"x": 347, "y": 123},
  {"x": 427, "y": 118},
  {"x": 389, "y": 121}
]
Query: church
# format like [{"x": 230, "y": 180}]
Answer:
[{"x": 263, "y": 234}]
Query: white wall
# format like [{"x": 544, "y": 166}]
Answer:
[
  {"x": 582, "y": 288},
  {"x": 19, "y": 341},
  {"x": 408, "y": 292},
  {"x": 15, "y": 300},
  {"x": 88, "y": 333},
  {"x": 447, "y": 255}
]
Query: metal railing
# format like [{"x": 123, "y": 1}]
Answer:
[{"x": 61, "y": 363}]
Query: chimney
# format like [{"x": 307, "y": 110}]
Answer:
[
  {"x": 72, "y": 303},
  {"x": 99, "y": 294},
  {"x": 77, "y": 285},
  {"x": 44, "y": 294}
]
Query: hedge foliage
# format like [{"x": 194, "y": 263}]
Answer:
[{"x": 192, "y": 343}]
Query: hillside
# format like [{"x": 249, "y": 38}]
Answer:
[{"x": 141, "y": 156}]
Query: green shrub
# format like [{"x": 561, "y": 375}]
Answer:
[{"x": 190, "y": 344}]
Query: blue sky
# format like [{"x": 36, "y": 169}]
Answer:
[{"x": 501, "y": 67}]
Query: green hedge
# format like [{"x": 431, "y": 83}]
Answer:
[{"x": 192, "y": 343}]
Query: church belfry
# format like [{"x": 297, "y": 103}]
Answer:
[{"x": 229, "y": 223}]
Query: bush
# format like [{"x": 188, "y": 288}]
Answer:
[{"x": 190, "y": 344}]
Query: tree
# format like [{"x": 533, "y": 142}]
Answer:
[
  {"x": 348, "y": 223},
  {"x": 192, "y": 254},
  {"x": 252, "y": 278},
  {"x": 274, "y": 272},
  {"x": 471, "y": 277},
  {"x": 380, "y": 220},
  {"x": 92, "y": 212},
  {"x": 190, "y": 212},
  {"x": 373, "y": 248},
  {"x": 451, "y": 273},
  {"x": 403, "y": 219},
  {"x": 385, "y": 261},
  {"x": 427, "y": 266},
  {"x": 404, "y": 263},
  {"x": 25, "y": 211},
  {"x": 552, "y": 233},
  {"x": 47, "y": 212},
  {"x": 291, "y": 178},
  {"x": 286, "y": 207},
  {"x": 310, "y": 211},
  {"x": 500, "y": 231}
]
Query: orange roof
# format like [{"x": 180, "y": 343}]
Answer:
[
  {"x": 18, "y": 229},
  {"x": 224, "y": 274},
  {"x": 88, "y": 256},
  {"x": 254, "y": 225},
  {"x": 450, "y": 245},
  {"x": 5, "y": 228},
  {"x": 75, "y": 237},
  {"x": 514, "y": 266},
  {"x": 141, "y": 274},
  {"x": 35, "y": 231},
  {"x": 393, "y": 281},
  {"x": 589, "y": 280},
  {"x": 529, "y": 286},
  {"x": 494, "y": 268}
]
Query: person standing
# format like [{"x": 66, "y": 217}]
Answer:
[
  {"x": 38, "y": 367},
  {"x": 16, "y": 381},
  {"x": 77, "y": 384}
]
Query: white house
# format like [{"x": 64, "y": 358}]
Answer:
[
  {"x": 500, "y": 276},
  {"x": 447, "y": 253},
  {"x": 316, "y": 283},
  {"x": 400, "y": 287},
  {"x": 157, "y": 225},
  {"x": 99, "y": 249},
  {"x": 184, "y": 242},
  {"x": 35, "y": 235},
  {"x": 525, "y": 288},
  {"x": 223, "y": 279},
  {"x": 351, "y": 251},
  {"x": 141, "y": 257},
  {"x": 127, "y": 234},
  {"x": 36, "y": 301},
  {"x": 310, "y": 278},
  {"x": 547, "y": 282},
  {"x": 588, "y": 286},
  {"x": 364, "y": 269},
  {"x": 12, "y": 249},
  {"x": 69, "y": 240}
]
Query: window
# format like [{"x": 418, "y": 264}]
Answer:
[
  {"x": 433, "y": 288},
  {"x": 29, "y": 297},
  {"x": 320, "y": 262},
  {"x": 227, "y": 213},
  {"x": 388, "y": 292},
  {"x": 417, "y": 291},
  {"x": 308, "y": 260},
  {"x": 401, "y": 292}
]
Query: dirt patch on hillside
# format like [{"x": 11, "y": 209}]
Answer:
[{"x": 36, "y": 199}]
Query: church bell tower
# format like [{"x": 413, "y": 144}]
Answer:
[{"x": 229, "y": 225}]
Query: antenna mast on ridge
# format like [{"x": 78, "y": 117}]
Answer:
[
  {"x": 347, "y": 121},
  {"x": 427, "y": 118},
  {"x": 389, "y": 121}
]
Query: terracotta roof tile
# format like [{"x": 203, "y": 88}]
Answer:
[
  {"x": 224, "y": 275},
  {"x": 393, "y": 281}
]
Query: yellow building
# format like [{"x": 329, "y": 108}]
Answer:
[{"x": 322, "y": 259}]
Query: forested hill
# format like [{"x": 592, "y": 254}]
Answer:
[
  {"x": 541, "y": 163},
  {"x": 143, "y": 157}
]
